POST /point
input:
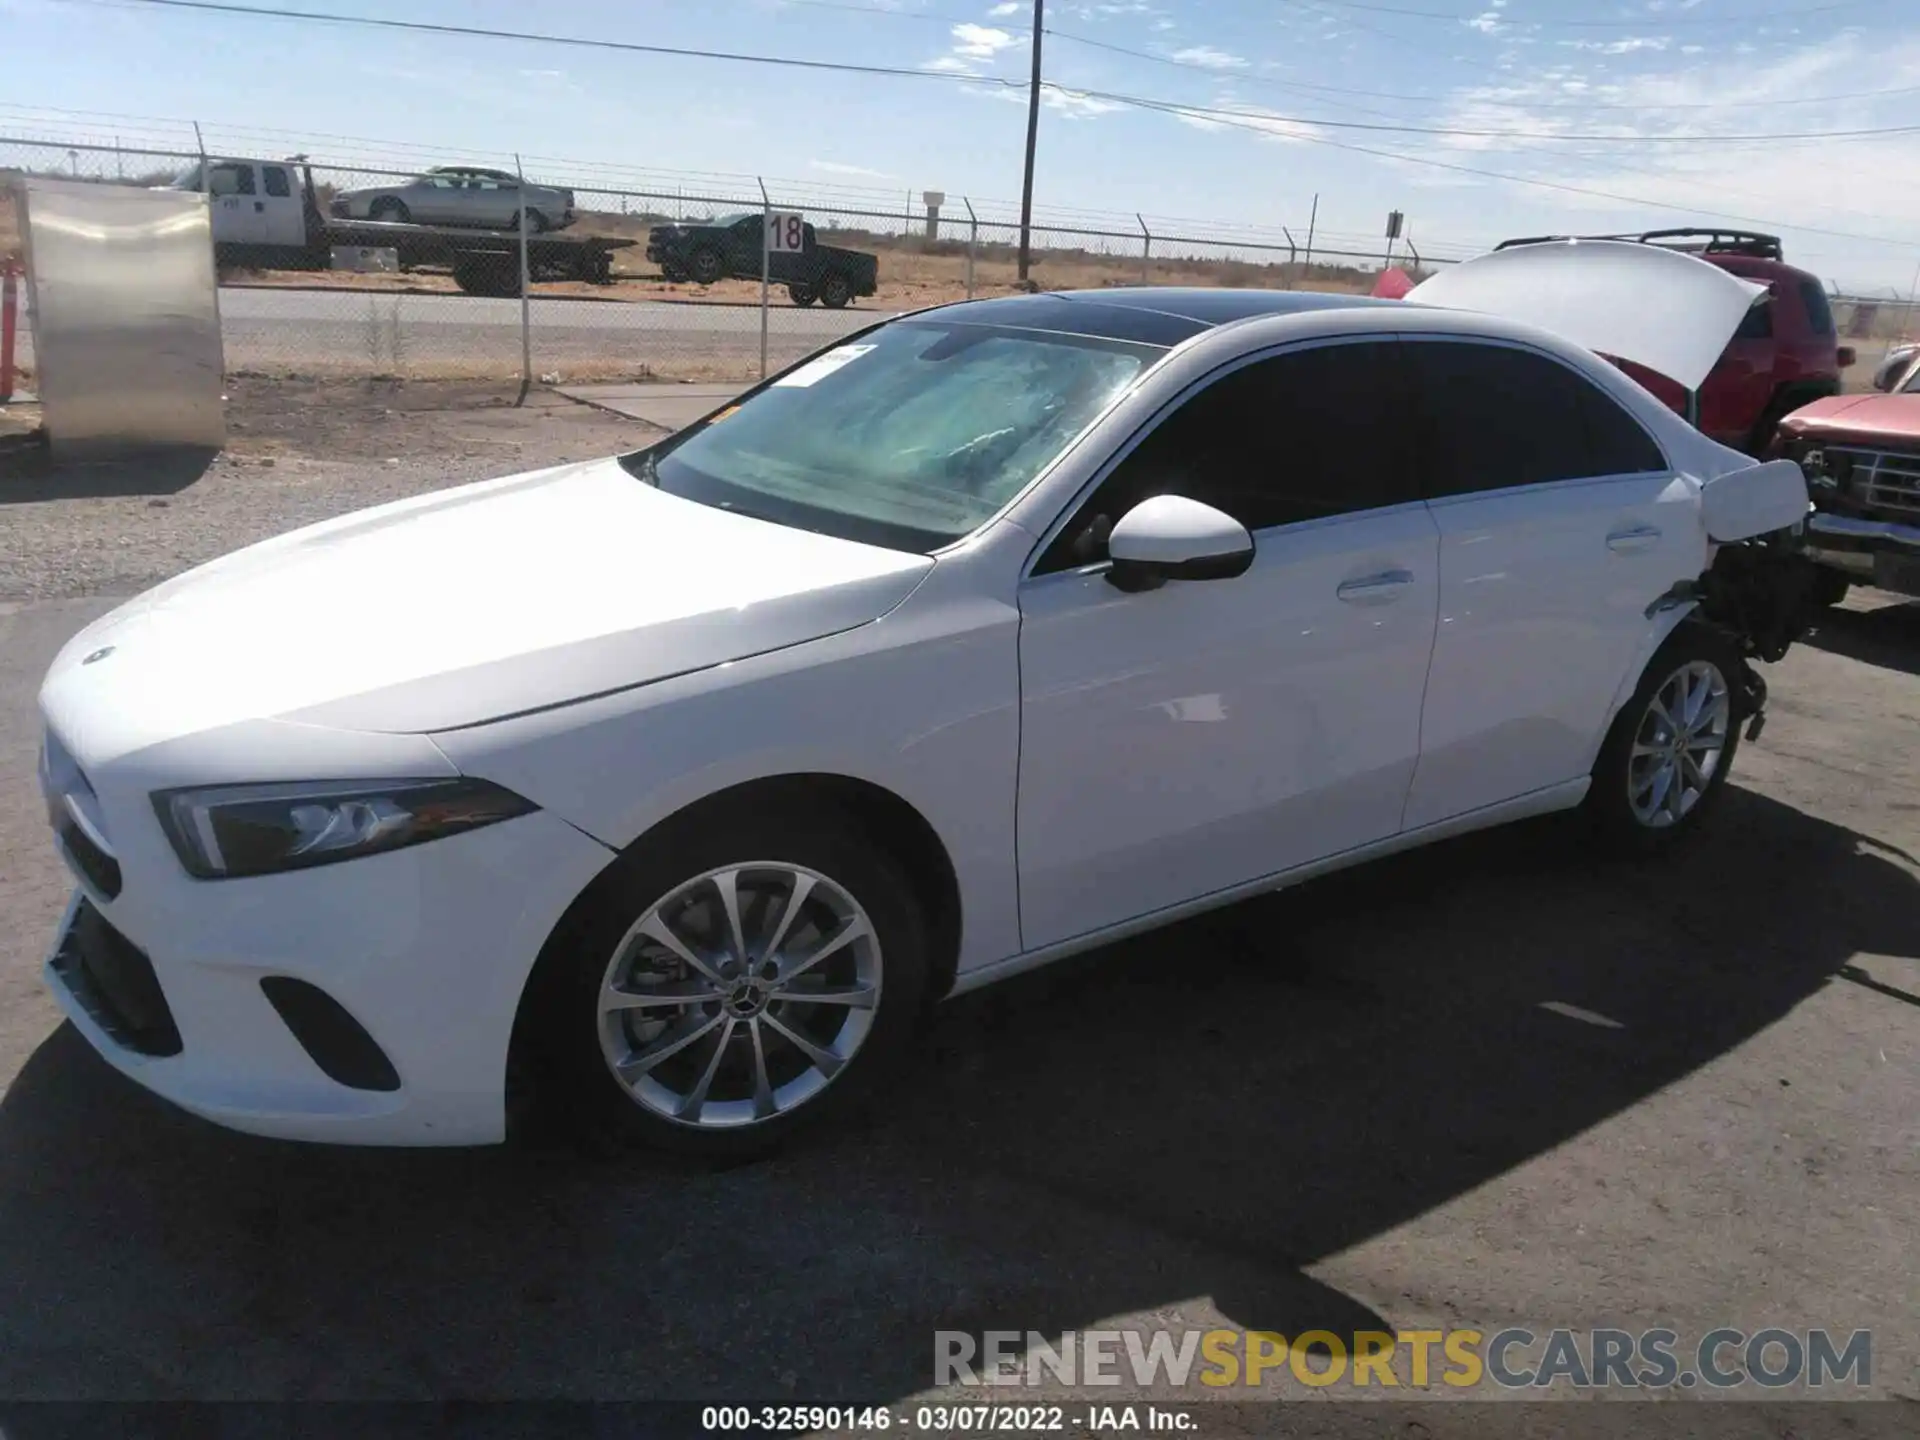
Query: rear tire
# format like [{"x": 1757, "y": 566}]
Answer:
[
  {"x": 1668, "y": 753},
  {"x": 728, "y": 1063},
  {"x": 801, "y": 294},
  {"x": 835, "y": 292},
  {"x": 1830, "y": 587}
]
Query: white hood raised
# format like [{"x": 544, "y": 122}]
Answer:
[
  {"x": 465, "y": 606},
  {"x": 1664, "y": 309}
]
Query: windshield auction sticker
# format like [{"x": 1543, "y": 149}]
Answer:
[{"x": 816, "y": 370}]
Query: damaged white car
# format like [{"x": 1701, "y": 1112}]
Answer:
[{"x": 678, "y": 784}]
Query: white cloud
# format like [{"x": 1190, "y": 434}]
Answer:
[
  {"x": 1631, "y": 45},
  {"x": 839, "y": 167},
  {"x": 981, "y": 42},
  {"x": 974, "y": 46},
  {"x": 1209, "y": 57},
  {"x": 1012, "y": 7},
  {"x": 1487, "y": 23}
]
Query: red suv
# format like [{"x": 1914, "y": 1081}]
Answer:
[{"x": 1785, "y": 355}]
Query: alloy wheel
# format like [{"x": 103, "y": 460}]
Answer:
[
  {"x": 1679, "y": 744},
  {"x": 740, "y": 995}
]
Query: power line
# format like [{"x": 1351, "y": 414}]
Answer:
[
  {"x": 1460, "y": 133},
  {"x": 1644, "y": 23},
  {"x": 1237, "y": 74},
  {"x": 1246, "y": 122},
  {"x": 578, "y": 41}
]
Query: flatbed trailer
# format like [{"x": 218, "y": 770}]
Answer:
[{"x": 267, "y": 216}]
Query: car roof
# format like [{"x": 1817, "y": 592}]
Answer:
[{"x": 1162, "y": 315}]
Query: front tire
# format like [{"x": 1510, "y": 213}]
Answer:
[
  {"x": 730, "y": 985},
  {"x": 1666, "y": 758},
  {"x": 388, "y": 209}
]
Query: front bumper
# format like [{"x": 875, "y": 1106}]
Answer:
[
  {"x": 427, "y": 949},
  {"x": 1884, "y": 553}
]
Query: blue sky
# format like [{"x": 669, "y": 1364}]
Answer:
[{"x": 1662, "y": 83}]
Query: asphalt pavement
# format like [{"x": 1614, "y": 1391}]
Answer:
[
  {"x": 1494, "y": 1083},
  {"x": 328, "y": 330}
]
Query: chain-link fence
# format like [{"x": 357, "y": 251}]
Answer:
[
  {"x": 352, "y": 266},
  {"x": 1874, "y": 327}
]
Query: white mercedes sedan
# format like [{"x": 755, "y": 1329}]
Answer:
[{"x": 678, "y": 785}]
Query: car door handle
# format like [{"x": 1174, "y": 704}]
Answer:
[
  {"x": 1640, "y": 537},
  {"x": 1379, "y": 589}
]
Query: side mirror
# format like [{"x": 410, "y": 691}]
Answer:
[
  {"x": 1173, "y": 538},
  {"x": 1846, "y": 356}
]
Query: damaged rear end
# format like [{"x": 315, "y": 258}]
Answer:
[
  {"x": 1673, "y": 314},
  {"x": 1760, "y": 589}
]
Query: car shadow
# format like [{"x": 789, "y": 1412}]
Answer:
[
  {"x": 29, "y": 473},
  {"x": 1888, "y": 636},
  {"x": 1205, "y": 1112}
]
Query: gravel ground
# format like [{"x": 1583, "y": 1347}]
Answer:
[
  {"x": 300, "y": 451},
  {"x": 1492, "y": 1083}
]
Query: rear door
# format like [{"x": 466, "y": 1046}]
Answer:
[
  {"x": 1559, "y": 521},
  {"x": 1740, "y": 387},
  {"x": 283, "y": 219}
]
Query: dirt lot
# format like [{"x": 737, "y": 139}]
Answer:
[
  {"x": 1494, "y": 1083},
  {"x": 300, "y": 451}
]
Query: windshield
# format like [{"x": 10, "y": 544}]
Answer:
[{"x": 911, "y": 437}]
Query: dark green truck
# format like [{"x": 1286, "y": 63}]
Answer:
[{"x": 731, "y": 248}]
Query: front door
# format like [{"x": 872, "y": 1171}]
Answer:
[
  {"x": 239, "y": 210},
  {"x": 1184, "y": 740},
  {"x": 1560, "y": 522}
]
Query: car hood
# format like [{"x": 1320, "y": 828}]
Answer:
[
  {"x": 465, "y": 606},
  {"x": 1863, "y": 418}
]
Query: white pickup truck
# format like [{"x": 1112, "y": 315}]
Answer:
[{"x": 267, "y": 216}]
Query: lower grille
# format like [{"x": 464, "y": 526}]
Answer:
[
  {"x": 114, "y": 982},
  {"x": 1880, "y": 480}
]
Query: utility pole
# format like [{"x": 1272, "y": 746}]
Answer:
[{"x": 1033, "y": 135}]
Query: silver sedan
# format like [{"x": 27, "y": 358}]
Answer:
[{"x": 461, "y": 195}]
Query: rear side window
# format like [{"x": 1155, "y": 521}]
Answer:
[
  {"x": 1498, "y": 417},
  {"x": 1819, "y": 313},
  {"x": 277, "y": 182},
  {"x": 1302, "y": 436}
]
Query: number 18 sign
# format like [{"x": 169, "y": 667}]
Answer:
[{"x": 786, "y": 232}]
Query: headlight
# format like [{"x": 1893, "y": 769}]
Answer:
[{"x": 226, "y": 831}]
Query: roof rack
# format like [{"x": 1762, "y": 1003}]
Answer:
[{"x": 1713, "y": 242}]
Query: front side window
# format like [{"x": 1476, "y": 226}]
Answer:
[
  {"x": 1301, "y": 436},
  {"x": 230, "y": 180},
  {"x": 911, "y": 436},
  {"x": 277, "y": 185},
  {"x": 1819, "y": 312},
  {"x": 1498, "y": 417}
]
